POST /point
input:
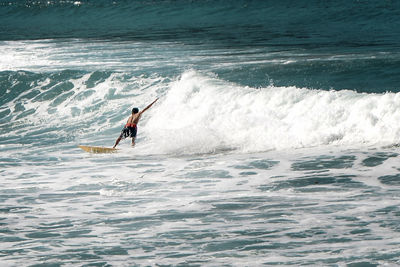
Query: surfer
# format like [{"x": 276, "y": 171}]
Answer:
[{"x": 130, "y": 128}]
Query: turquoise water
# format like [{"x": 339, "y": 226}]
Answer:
[{"x": 275, "y": 140}]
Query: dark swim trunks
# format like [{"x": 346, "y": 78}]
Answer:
[{"x": 128, "y": 132}]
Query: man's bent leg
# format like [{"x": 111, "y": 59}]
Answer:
[{"x": 117, "y": 141}]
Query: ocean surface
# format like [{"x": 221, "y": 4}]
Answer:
[{"x": 275, "y": 140}]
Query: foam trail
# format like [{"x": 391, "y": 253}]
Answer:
[{"x": 202, "y": 114}]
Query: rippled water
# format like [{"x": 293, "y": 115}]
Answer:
[{"x": 302, "y": 208}]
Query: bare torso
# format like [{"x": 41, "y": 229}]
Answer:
[{"x": 134, "y": 118}]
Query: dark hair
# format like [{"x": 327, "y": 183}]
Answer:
[{"x": 135, "y": 110}]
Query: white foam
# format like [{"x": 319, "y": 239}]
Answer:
[
  {"x": 78, "y": 54},
  {"x": 203, "y": 114}
]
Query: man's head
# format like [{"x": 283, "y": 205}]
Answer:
[{"x": 135, "y": 110}]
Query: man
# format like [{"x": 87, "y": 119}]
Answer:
[{"x": 130, "y": 128}]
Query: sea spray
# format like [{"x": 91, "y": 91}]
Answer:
[{"x": 202, "y": 113}]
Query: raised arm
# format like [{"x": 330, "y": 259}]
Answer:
[{"x": 146, "y": 108}]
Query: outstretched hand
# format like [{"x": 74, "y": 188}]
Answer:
[{"x": 146, "y": 108}]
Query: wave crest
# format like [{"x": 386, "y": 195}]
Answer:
[{"x": 201, "y": 114}]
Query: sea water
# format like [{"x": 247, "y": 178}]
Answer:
[{"x": 275, "y": 139}]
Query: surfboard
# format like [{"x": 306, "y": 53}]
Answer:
[{"x": 98, "y": 149}]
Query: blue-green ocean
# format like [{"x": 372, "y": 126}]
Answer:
[{"x": 275, "y": 140}]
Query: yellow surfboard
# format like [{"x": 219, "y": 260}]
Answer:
[{"x": 98, "y": 149}]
